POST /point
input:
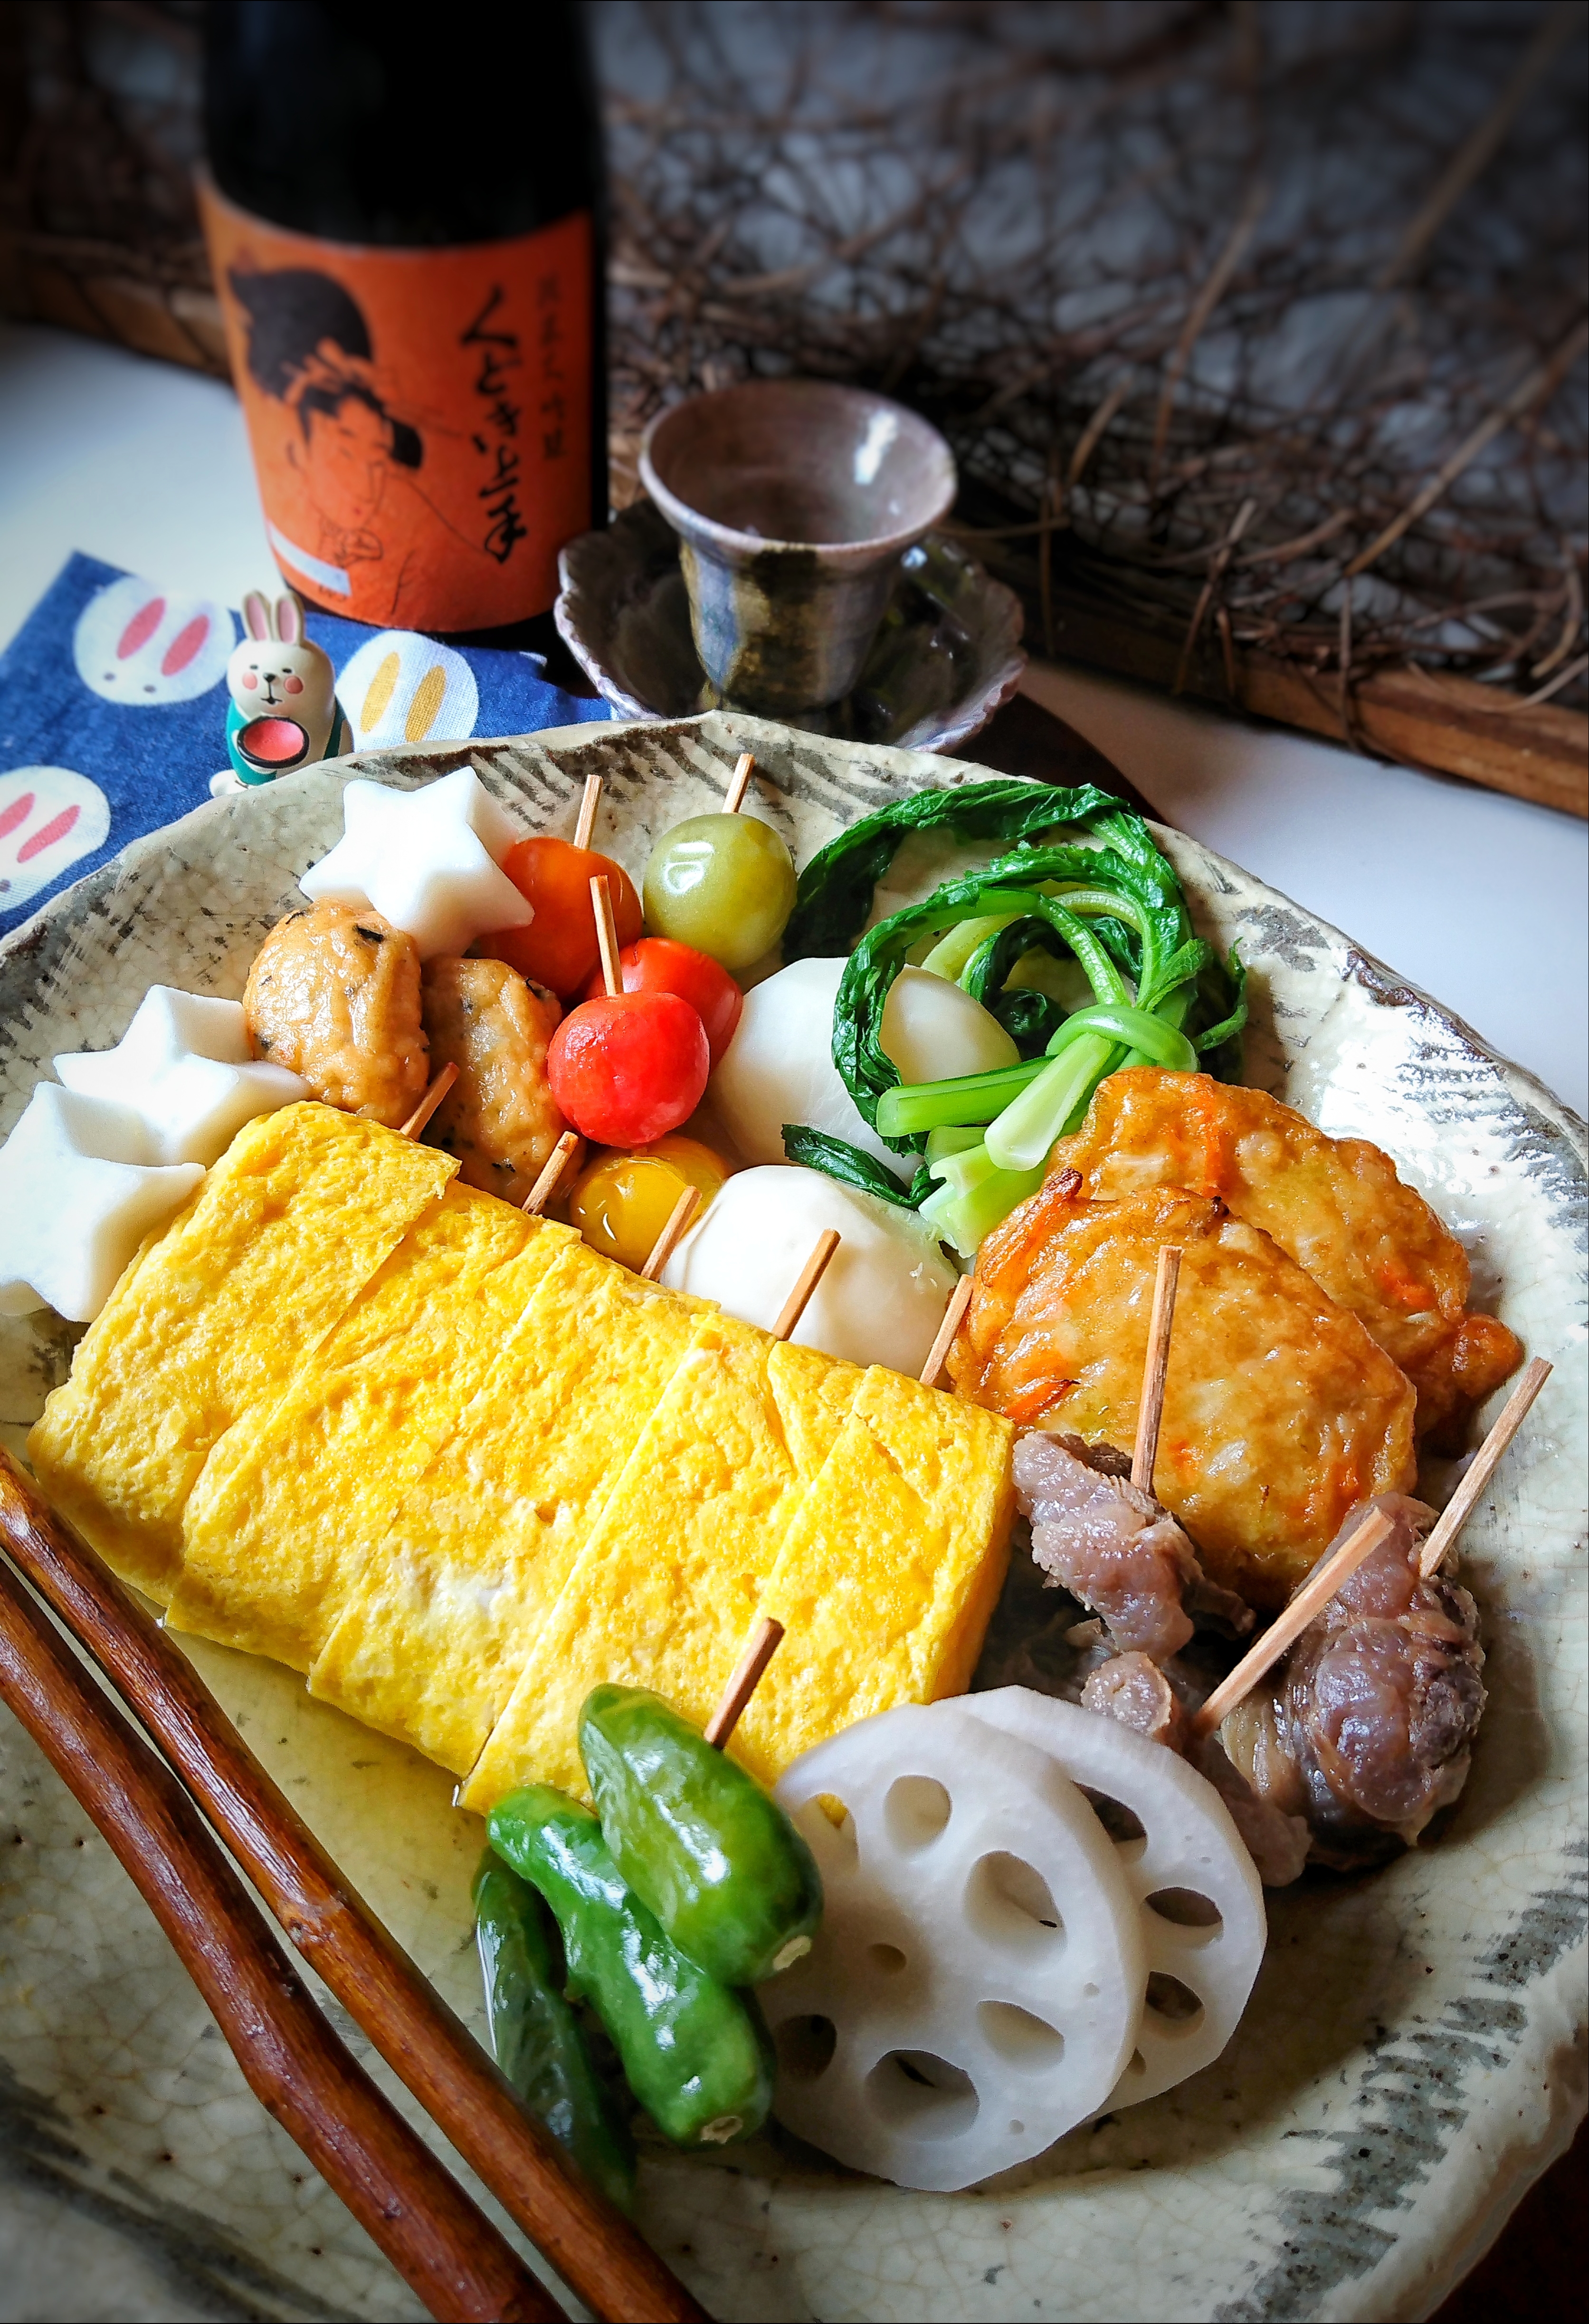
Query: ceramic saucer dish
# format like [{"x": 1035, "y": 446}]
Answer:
[
  {"x": 1409, "y": 2060},
  {"x": 947, "y": 655}
]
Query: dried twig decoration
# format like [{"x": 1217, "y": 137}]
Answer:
[{"x": 1220, "y": 305}]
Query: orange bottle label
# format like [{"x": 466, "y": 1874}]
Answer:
[{"x": 421, "y": 419}]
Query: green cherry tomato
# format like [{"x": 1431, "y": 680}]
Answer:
[{"x": 724, "y": 883}]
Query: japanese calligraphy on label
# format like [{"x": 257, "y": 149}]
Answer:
[{"x": 419, "y": 418}]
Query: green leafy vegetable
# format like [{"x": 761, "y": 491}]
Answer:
[
  {"x": 950, "y": 953},
  {"x": 815, "y": 1151},
  {"x": 1221, "y": 986},
  {"x": 987, "y": 970},
  {"x": 1112, "y": 904},
  {"x": 940, "y": 1142},
  {"x": 1077, "y": 892},
  {"x": 1155, "y": 1039},
  {"x": 974, "y": 1197},
  {"x": 1030, "y": 1019},
  {"x": 835, "y": 890},
  {"x": 1021, "y": 1136}
]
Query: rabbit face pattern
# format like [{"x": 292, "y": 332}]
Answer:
[
  {"x": 50, "y": 818},
  {"x": 144, "y": 647}
]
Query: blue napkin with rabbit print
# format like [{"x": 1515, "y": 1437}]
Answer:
[{"x": 114, "y": 703}]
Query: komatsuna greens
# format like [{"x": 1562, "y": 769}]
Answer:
[{"x": 1149, "y": 989}]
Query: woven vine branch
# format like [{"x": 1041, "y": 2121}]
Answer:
[{"x": 1261, "y": 326}]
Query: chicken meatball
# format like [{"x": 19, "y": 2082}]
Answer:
[
  {"x": 499, "y": 1118},
  {"x": 333, "y": 996}
]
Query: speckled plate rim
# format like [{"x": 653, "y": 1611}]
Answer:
[{"x": 1413, "y": 2142}]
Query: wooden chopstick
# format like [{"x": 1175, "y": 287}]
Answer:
[
  {"x": 443, "y": 2246},
  {"x": 588, "y": 2241}
]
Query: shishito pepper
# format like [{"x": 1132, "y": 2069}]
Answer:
[
  {"x": 712, "y": 1854},
  {"x": 534, "y": 2035},
  {"x": 697, "y": 2056}
]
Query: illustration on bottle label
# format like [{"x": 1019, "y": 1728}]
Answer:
[{"x": 419, "y": 418}]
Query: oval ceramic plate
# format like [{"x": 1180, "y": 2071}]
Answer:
[{"x": 1407, "y": 2061}]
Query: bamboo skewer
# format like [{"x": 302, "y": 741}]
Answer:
[
  {"x": 1310, "y": 1600},
  {"x": 589, "y": 2243},
  {"x": 1150, "y": 1411},
  {"x": 1486, "y": 1462},
  {"x": 606, "y": 933},
  {"x": 447, "y": 2252},
  {"x": 960, "y": 1299},
  {"x": 765, "y": 1640},
  {"x": 810, "y": 1276},
  {"x": 672, "y": 1235},
  {"x": 552, "y": 1170},
  {"x": 733, "y": 799},
  {"x": 430, "y": 1101},
  {"x": 590, "y": 801}
]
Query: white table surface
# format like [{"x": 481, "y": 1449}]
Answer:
[{"x": 1479, "y": 898}]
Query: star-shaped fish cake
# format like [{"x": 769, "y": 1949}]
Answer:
[
  {"x": 184, "y": 1068},
  {"x": 78, "y": 1196},
  {"x": 427, "y": 860}
]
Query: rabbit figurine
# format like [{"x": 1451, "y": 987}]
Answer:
[{"x": 284, "y": 712}]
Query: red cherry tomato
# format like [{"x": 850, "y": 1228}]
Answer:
[
  {"x": 629, "y": 1066},
  {"x": 559, "y": 947},
  {"x": 659, "y": 964}
]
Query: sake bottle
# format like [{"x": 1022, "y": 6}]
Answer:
[{"x": 404, "y": 220}]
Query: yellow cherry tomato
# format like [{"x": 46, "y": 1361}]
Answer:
[
  {"x": 622, "y": 1201},
  {"x": 696, "y": 1164}
]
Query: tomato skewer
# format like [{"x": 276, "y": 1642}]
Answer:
[
  {"x": 661, "y": 964},
  {"x": 627, "y": 1068}
]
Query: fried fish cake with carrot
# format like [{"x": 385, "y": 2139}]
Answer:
[
  {"x": 1280, "y": 1411},
  {"x": 333, "y": 995},
  {"x": 500, "y": 1118},
  {"x": 1333, "y": 1204}
]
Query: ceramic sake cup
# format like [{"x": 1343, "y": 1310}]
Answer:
[{"x": 793, "y": 502}]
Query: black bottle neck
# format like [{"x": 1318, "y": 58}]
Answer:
[{"x": 341, "y": 118}]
